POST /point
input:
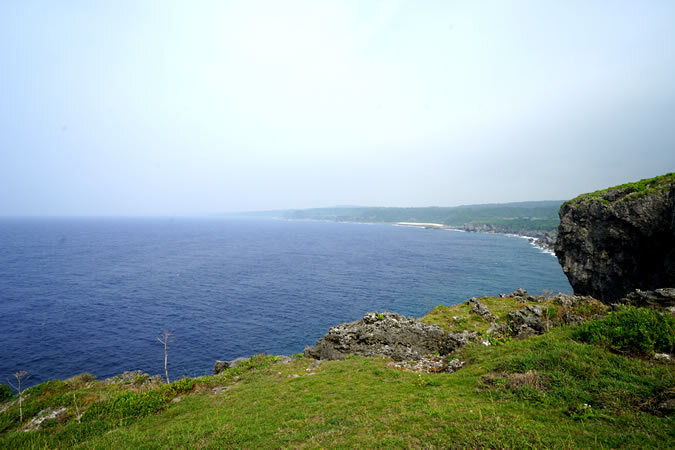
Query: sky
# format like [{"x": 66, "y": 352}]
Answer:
[{"x": 142, "y": 108}]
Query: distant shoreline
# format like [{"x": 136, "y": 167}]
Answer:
[{"x": 534, "y": 240}]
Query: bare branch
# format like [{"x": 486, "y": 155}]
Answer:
[
  {"x": 21, "y": 376},
  {"x": 164, "y": 339}
]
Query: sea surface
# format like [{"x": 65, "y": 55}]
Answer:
[{"x": 93, "y": 295}]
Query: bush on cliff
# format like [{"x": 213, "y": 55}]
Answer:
[
  {"x": 5, "y": 392},
  {"x": 633, "y": 330}
]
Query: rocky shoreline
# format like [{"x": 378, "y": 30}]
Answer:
[{"x": 540, "y": 239}]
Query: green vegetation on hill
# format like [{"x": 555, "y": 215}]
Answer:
[
  {"x": 544, "y": 391},
  {"x": 457, "y": 318},
  {"x": 629, "y": 191},
  {"x": 507, "y": 218}
]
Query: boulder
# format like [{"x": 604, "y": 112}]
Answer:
[
  {"x": 615, "y": 241},
  {"x": 220, "y": 366},
  {"x": 527, "y": 321},
  {"x": 520, "y": 292},
  {"x": 660, "y": 298},
  {"x": 387, "y": 334},
  {"x": 478, "y": 308}
]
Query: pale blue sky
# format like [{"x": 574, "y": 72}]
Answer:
[{"x": 198, "y": 107}]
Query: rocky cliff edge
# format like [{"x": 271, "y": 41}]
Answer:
[{"x": 614, "y": 241}]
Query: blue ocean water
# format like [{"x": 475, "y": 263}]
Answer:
[{"x": 92, "y": 295}]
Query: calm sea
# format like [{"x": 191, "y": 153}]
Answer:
[{"x": 92, "y": 295}]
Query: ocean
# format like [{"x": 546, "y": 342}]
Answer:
[{"x": 92, "y": 295}]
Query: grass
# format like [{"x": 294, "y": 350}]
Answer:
[
  {"x": 631, "y": 191},
  {"x": 545, "y": 391},
  {"x": 457, "y": 318}
]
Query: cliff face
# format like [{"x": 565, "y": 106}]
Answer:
[{"x": 613, "y": 241}]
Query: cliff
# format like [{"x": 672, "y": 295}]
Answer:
[{"x": 619, "y": 239}]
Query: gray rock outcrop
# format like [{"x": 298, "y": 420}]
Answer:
[
  {"x": 136, "y": 377},
  {"x": 478, "y": 308},
  {"x": 58, "y": 414},
  {"x": 220, "y": 366},
  {"x": 661, "y": 298},
  {"x": 527, "y": 321},
  {"x": 615, "y": 241},
  {"x": 388, "y": 334}
]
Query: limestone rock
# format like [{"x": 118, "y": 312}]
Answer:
[
  {"x": 520, "y": 292},
  {"x": 478, "y": 308},
  {"x": 664, "y": 357},
  {"x": 572, "y": 319},
  {"x": 36, "y": 422},
  {"x": 220, "y": 366},
  {"x": 527, "y": 321},
  {"x": 136, "y": 377},
  {"x": 662, "y": 298},
  {"x": 427, "y": 364},
  {"x": 387, "y": 334},
  {"x": 455, "y": 365},
  {"x": 453, "y": 341},
  {"x": 611, "y": 243}
]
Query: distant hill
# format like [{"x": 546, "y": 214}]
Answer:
[{"x": 520, "y": 217}]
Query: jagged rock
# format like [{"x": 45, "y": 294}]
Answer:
[
  {"x": 572, "y": 319},
  {"x": 517, "y": 294},
  {"x": 36, "y": 422},
  {"x": 665, "y": 357},
  {"x": 220, "y": 366},
  {"x": 611, "y": 243},
  {"x": 527, "y": 321},
  {"x": 497, "y": 329},
  {"x": 564, "y": 300},
  {"x": 453, "y": 341},
  {"x": 220, "y": 389},
  {"x": 137, "y": 377},
  {"x": 455, "y": 365},
  {"x": 427, "y": 364},
  {"x": 520, "y": 292},
  {"x": 661, "y": 298},
  {"x": 478, "y": 308},
  {"x": 388, "y": 334}
]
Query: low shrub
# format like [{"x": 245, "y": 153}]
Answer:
[
  {"x": 5, "y": 392},
  {"x": 178, "y": 387},
  {"x": 259, "y": 361},
  {"x": 48, "y": 387},
  {"x": 632, "y": 330}
]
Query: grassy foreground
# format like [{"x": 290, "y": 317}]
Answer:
[{"x": 544, "y": 391}]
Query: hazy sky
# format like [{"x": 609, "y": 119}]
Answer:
[{"x": 197, "y": 107}]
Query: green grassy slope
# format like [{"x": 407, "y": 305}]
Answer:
[
  {"x": 544, "y": 391},
  {"x": 630, "y": 191}
]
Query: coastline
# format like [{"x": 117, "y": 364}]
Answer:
[
  {"x": 539, "y": 240},
  {"x": 536, "y": 241}
]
